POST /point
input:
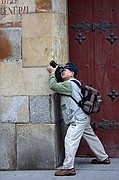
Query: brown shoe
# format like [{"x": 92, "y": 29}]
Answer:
[
  {"x": 95, "y": 161},
  {"x": 65, "y": 172}
]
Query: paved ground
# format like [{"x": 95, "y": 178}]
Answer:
[{"x": 85, "y": 171}]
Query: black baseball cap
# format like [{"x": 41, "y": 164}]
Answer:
[{"x": 72, "y": 67}]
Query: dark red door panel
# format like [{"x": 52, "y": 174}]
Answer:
[{"x": 94, "y": 47}]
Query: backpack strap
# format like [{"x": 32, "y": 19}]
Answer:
[{"x": 79, "y": 85}]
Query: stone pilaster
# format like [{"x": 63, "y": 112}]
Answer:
[{"x": 32, "y": 33}]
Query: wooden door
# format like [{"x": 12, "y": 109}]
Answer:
[{"x": 94, "y": 47}]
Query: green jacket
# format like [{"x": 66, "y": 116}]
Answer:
[{"x": 61, "y": 87}]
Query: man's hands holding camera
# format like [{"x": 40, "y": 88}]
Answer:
[{"x": 51, "y": 69}]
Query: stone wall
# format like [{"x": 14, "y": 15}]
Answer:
[{"x": 32, "y": 32}]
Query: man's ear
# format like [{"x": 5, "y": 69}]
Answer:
[{"x": 72, "y": 74}]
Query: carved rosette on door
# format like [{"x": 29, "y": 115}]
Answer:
[{"x": 102, "y": 26}]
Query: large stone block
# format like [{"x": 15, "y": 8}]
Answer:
[
  {"x": 14, "y": 109},
  {"x": 37, "y": 52},
  {"x": 41, "y": 26},
  {"x": 41, "y": 109},
  {"x": 36, "y": 147},
  {"x": 17, "y": 81},
  {"x": 10, "y": 49},
  {"x": 37, "y": 39},
  {"x": 45, "y": 109},
  {"x": 7, "y": 146}
]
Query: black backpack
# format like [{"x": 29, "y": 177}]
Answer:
[{"x": 91, "y": 99}]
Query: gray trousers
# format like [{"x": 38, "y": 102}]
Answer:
[{"x": 72, "y": 140}]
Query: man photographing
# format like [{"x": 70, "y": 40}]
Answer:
[{"x": 77, "y": 120}]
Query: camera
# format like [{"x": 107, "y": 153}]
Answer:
[{"x": 58, "y": 72}]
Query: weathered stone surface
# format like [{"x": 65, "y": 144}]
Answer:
[
  {"x": 60, "y": 26},
  {"x": 59, "y": 6},
  {"x": 59, "y": 137},
  {"x": 37, "y": 52},
  {"x": 45, "y": 109},
  {"x": 10, "y": 13},
  {"x": 60, "y": 50},
  {"x": 41, "y": 109},
  {"x": 14, "y": 109},
  {"x": 10, "y": 49},
  {"x": 17, "y": 81},
  {"x": 7, "y": 146},
  {"x": 43, "y": 6},
  {"x": 36, "y": 147},
  {"x": 37, "y": 39},
  {"x": 41, "y": 26}
]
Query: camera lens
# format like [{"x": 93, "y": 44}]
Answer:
[
  {"x": 58, "y": 72},
  {"x": 53, "y": 64}
]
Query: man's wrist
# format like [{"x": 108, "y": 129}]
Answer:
[{"x": 52, "y": 74}]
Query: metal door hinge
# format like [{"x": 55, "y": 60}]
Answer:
[{"x": 102, "y": 26}]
